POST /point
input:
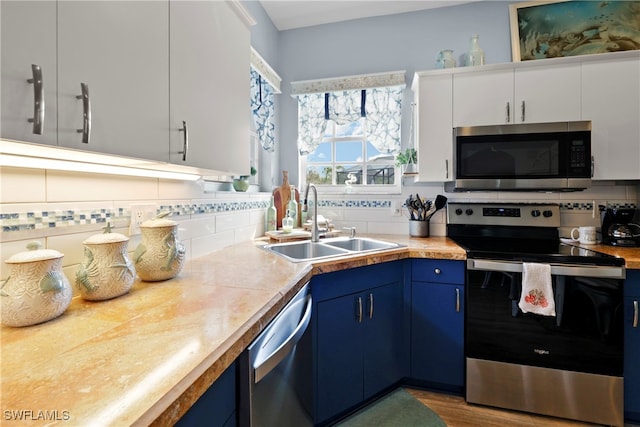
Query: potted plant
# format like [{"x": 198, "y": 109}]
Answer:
[
  {"x": 242, "y": 183},
  {"x": 408, "y": 160}
]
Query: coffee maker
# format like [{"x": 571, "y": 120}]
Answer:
[{"x": 620, "y": 226}]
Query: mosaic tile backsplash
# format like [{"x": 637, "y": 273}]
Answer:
[{"x": 36, "y": 220}]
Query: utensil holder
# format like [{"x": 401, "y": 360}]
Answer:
[{"x": 418, "y": 228}]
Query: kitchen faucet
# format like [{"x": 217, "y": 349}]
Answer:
[{"x": 315, "y": 233}]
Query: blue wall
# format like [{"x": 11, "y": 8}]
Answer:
[{"x": 408, "y": 41}]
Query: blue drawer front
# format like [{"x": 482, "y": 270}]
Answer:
[{"x": 437, "y": 270}]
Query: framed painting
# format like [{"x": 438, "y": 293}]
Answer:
[{"x": 560, "y": 28}]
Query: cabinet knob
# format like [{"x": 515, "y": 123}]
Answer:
[{"x": 437, "y": 271}]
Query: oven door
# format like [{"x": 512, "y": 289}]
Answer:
[{"x": 586, "y": 335}]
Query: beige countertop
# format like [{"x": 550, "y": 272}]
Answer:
[{"x": 145, "y": 357}]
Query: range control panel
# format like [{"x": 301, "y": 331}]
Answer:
[{"x": 520, "y": 214}]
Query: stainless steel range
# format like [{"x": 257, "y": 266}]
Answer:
[{"x": 556, "y": 350}]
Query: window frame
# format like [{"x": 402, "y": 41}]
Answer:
[{"x": 395, "y": 188}]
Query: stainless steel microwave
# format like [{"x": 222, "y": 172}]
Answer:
[{"x": 523, "y": 157}]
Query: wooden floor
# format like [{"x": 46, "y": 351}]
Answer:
[{"x": 455, "y": 412}]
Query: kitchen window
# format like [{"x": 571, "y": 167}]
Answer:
[
  {"x": 346, "y": 157},
  {"x": 349, "y": 132}
]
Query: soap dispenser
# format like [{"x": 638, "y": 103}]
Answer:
[{"x": 287, "y": 223}]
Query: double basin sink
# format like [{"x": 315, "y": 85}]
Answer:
[{"x": 307, "y": 250}]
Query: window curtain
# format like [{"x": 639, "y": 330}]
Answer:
[
  {"x": 263, "y": 110},
  {"x": 311, "y": 121},
  {"x": 381, "y": 107}
]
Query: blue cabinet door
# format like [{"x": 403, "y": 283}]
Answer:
[
  {"x": 632, "y": 347},
  {"x": 437, "y": 338},
  {"x": 217, "y": 406},
  {"x": 360, "y": 336},
  {"x": 339, "y": 356},
  {"x": 437, "y": 325},
  {"x": 384, "y": 345}
]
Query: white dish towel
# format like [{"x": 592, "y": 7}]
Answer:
[{"x": 537, "y": 292}]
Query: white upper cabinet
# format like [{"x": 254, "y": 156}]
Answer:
[
  {"x": 209, "y": 68},
  {"x": 433, "y": 127},
  {"x": 28, "y": 38},
  {"x": 483, "y": 97},
  {"x": 508, "y": 95},
  {"x": 120, "y": 52},
  {"x": 611, "y": 100}
]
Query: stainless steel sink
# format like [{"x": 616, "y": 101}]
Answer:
[
  {"x": 360, "y": 244},
  {"x": 304, "y": 250},
  {"x": 307, "y": 251}
]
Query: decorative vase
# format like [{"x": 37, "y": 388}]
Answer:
[
  {"x": 475, "y": 56},
  {"x": 36, "y": 290},
  {"x": 445, "y": 59},
  {"x": 240, "y": 184},
  {"x": 106, "y": 271},
  {"x": 160, "y": 255}
]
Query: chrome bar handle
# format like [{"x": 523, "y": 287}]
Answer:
[
  {"x": 457, "y": 300},
  {"x": 86, "y": 113},
  {"x": 446, "y": 168},
  {"x": 185, "y": 141},
  {"x": 38, "y": 99},
  {"x": 522, "y": 109},
  {"x": 371, "y": 306},
  {"x": 359, "y": 309},
  {"x": 635, "y": 313},
  {"x": 508, "y": 112}
]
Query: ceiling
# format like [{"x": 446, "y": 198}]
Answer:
[{"x": 290, "y": 14}]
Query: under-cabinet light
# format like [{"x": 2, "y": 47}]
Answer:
[{"x": 24, "y": 155}]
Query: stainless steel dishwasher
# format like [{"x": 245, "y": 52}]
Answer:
[{"x": 275, "y": 370}]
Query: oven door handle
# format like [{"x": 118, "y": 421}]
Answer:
[{"x": 610, "y": 272}]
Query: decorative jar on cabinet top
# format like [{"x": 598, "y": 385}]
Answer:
[
  {"x": 36, "y": 290},
  {"x": 160, "y": 255},
  {"x": 106, "y": 271},
  {"x": 445, "y": 59}
]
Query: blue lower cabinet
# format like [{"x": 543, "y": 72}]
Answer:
[
  {"x": 437, "y": 324},
  {"x": 632, "y": 346},
  {"x": 360, "y": 342},
  {"x": 217, "y": 406}
]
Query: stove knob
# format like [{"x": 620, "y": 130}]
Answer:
[
  {"x": 547, "y": 214},
  {"x": 469, "y": 211},
  {"x": 458, "y": 211},
  {"x": 535, "y": 213}
]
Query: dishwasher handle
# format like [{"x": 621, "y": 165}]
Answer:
[{"x": 271, "y": 361}]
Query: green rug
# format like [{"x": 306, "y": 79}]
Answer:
[{"x": 397, "y": 409}]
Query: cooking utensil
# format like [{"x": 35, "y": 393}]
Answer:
[
  {"x": 440, "y": 202},
  {"x": 410, "y": 208}
]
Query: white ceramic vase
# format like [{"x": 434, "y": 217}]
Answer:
[
  {"x": 160, "y": 255},
  {"x": 106, "y": 271},
  {"x": 36, "y": 290}
]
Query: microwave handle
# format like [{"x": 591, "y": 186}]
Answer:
[{"x": 593, "y": 166}]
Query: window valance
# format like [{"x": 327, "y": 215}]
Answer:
[{"x": 363, "y": 81}]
